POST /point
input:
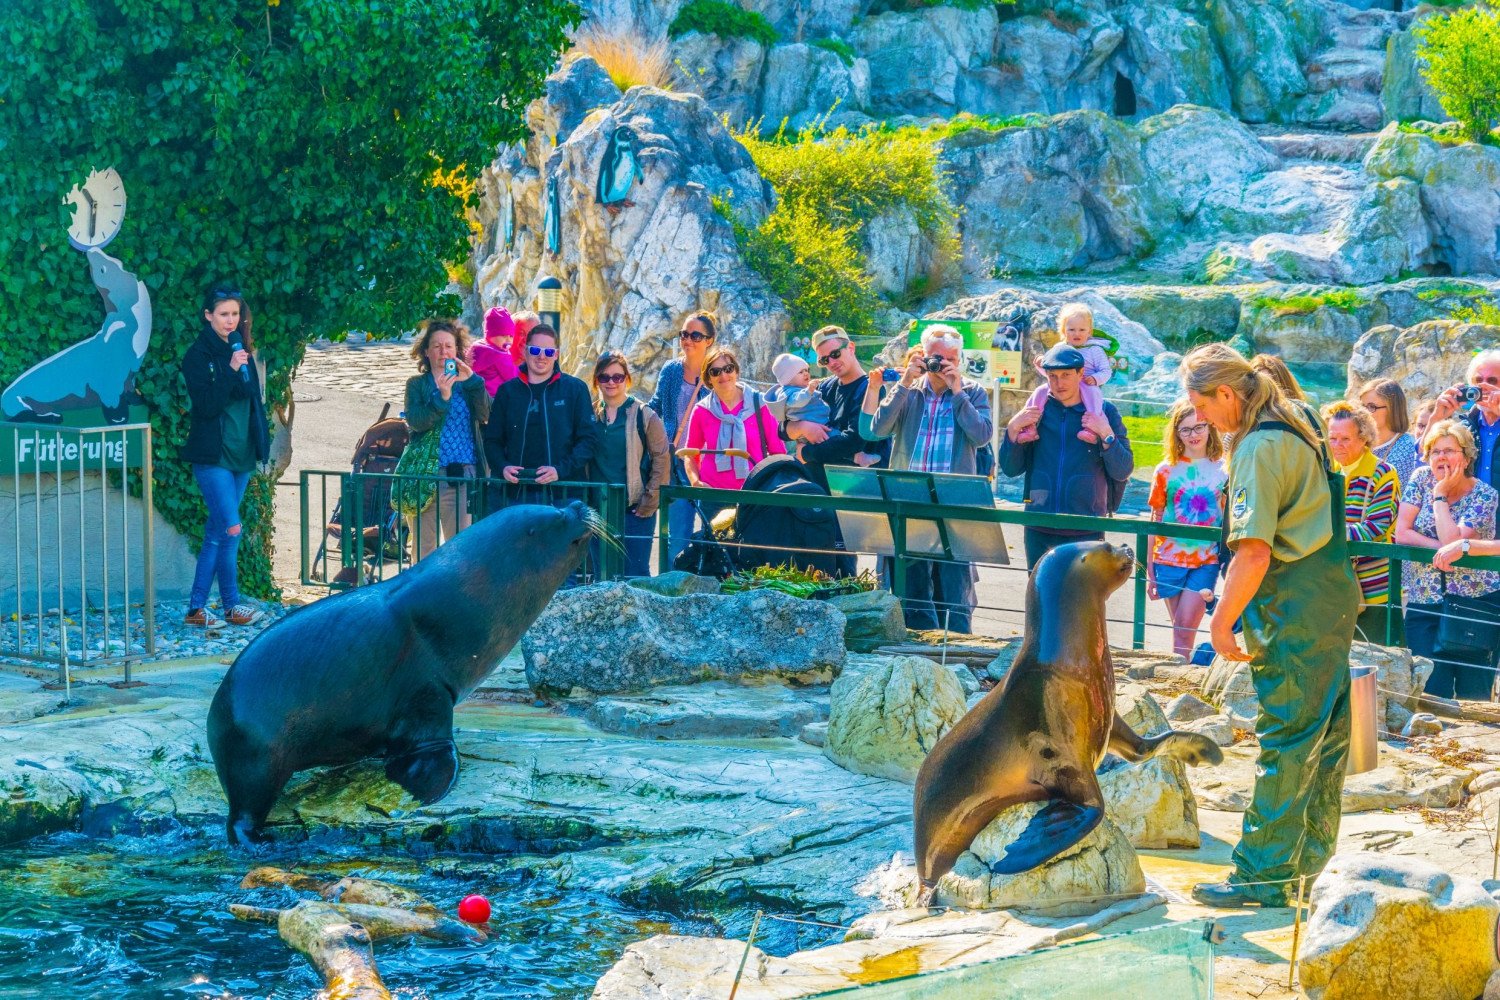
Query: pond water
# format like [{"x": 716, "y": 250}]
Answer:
[{"x": 134, "y": 918}]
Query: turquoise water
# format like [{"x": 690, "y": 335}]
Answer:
[{"x": 133, "y": 918}]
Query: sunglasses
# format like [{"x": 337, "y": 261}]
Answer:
[
  {"x": 225, "y": 293},
  {"x": 696, "y": 336},
  {"x": 832, "y": 355},
  {"x": 542, "y": 352},
  {"x": 718, "y": 370},
  {"x": 614, "y": 379}
]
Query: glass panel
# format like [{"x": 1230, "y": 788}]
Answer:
[{"x": 1173, "y": 960}]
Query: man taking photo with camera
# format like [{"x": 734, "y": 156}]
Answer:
[
  {"x": 1478, "y": 404},
  {"x": 937, "y": 420}
]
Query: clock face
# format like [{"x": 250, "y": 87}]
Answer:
[{"x": 98, "y": 209}]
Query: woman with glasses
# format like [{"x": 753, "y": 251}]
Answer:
[
  {"x": 679, "y": 387},
  {"x": 732, "y": 418},
  {"x": 1186, "y": 490},
  {"x": 1445, "y": 503},
  {"x": 227, "y": 439},
  {"x": 1371, "y": 492},
  {"x": 1386, "y": 402},
  {"x": 631, "y": 449},
  {"x": 447, "y": 398},
  {"x": 541, "y": 426}
]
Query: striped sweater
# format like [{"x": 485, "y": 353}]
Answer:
[{"x": 1370, "y": 498}]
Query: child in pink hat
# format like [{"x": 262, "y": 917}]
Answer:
[{"x": 492, "y": 359}]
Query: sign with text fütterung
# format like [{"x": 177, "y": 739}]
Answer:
[{"x": 28, "y": 448}]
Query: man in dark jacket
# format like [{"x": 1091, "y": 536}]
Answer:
[
  {"x": 1064, "y": 474},
  {"x": 540, "y": 425},
  {"x": 844, "y": 392}
]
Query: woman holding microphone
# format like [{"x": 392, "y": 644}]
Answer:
[{"x": 1292, "y": 585}]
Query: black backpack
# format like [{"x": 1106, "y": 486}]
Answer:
[{"x": 776, "y": 536}]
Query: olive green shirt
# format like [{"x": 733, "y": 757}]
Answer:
[
  {"x": 237, "y": 453},
  {"x": 1278, "y": 493}
]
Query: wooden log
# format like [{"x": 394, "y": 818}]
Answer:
[{"x": 349, "y": 889}]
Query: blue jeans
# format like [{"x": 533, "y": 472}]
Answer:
[
  {"x": 681, "y": 519},
  {"x": 222, "y": 492}
]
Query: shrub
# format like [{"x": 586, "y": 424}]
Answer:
[
  {"x": 1461, "y": 54},
  {"x": 1484, "y": 313},
  {"x": 1343, "y": 299},
  {"x": 630, "y": 59},
  {"x": 829, "y": 185},
  {"x": 838, "y": 47},
  {"x": 722, "y": 18}
]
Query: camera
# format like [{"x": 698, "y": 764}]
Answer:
[
  {"x": 1470, "y": 394},
  {"x": 450, "y": 367},
  {"x": 933, "y": 363},
  {"x": 890, "y": 375}
]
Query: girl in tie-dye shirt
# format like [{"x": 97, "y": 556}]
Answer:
[{"x": 1185, "y": 490}]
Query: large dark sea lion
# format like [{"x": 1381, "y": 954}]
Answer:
[
  {"x": 1041, "y": 733},
  {"x": 376, "y": 671}
]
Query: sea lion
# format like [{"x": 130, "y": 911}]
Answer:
[
  {"x": 377, "y": 670},
  {"x": 1040, "y": 734}
]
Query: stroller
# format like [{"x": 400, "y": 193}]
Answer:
[
  {"x": 765, "y": 535},
  {"x": 378, "y": 450}
]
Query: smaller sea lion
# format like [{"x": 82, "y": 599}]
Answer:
[{"x": 1041, "y": 733}]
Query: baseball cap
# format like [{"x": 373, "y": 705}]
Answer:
[
  {"x": 829, "y": 333},
  {"x": 1062, "y": 356}
]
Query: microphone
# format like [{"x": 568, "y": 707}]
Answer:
[{"x": 236, "y": 344}]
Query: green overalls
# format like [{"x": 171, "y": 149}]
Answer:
[{"x": 1298, "y": 629}]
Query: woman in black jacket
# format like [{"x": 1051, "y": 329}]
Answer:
[{"x": 227, "y": 439}]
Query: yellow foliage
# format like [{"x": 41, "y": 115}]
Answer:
[{"x": 628, "y": 57}]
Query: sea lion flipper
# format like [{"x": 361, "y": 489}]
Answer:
[
  {"x": 426, "y": 771},
  {"x": 1190, "y": 748},
  {"x": 1059, "y": 825}
]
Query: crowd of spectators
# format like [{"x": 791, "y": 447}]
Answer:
[{"x": 503, "y": 407}]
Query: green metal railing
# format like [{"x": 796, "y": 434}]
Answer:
[
  {"x": 1143, "y": 530},
  {"x": 363, "y": 504},
  {"x": 373, "y": 542}
]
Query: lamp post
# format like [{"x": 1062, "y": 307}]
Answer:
[{"x": 549, "y": 303}]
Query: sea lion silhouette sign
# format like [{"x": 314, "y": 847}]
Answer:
[{"x": 99, "y": 371}]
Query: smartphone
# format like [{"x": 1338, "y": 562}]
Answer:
[{"x": 450, "y": 367}]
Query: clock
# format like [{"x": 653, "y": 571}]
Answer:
[{"x": 98, "y": 209}]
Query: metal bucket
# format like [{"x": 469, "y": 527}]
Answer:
[{"x": 1364, "y": 745}]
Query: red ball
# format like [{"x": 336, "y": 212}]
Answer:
[{"x": 474, "y": 909}]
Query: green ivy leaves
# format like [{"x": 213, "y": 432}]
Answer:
[{"x": 258, "y": 145}]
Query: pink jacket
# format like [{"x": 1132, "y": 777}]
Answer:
[{"x": 493, "y": 365}]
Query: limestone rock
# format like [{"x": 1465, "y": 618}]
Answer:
[
  {"x": 871, "y": 619},
  {"x": 1054, "y": 65},
  {"x": 1263, "y": 46},
  {"x": 1178, "y": 315},
  {"x": 1459, "y": 186},
  {"x": 1322, "y": 333},
  {"x": 1405, "y": 779},
  {"x": 805, "y": 82},
  {"x": 815, "y": 733},
  {"x": 887, "y": 712},
  {"x": 579, "y": 86},
  {"x": 719, "y": 710},
  {"x": 727, "y": 72},
  {"x": 611, "y": 637},
  {"x": 1151, "y": 802},
  {"x": 1426, "y": 358},
  {"x": 1404, "y": 93},
  {"x": 1089, "y": 194},
  {"x": 1170, "y": 58},
  {"x": 1196, "y": 151},
  {"x": 1188, "y": 708},
  {"x": 1427, "y": 724},
  {"x": 1102, "y": 864},
  {"x": 1227, "y": 685},
  {"x": 1215, "y": 727},
  {"x": 1140, "y": 710},
  {"x": 1385, "y": 926},
  {"x": 630, "y": 277},
  {"x": 677, "y": 583},
  {"x": 1399, "y": 679},
  {"x": 922, "y": 62},
  {"x": 648, "y": 17},
  {"x": 799, "y": 20}
]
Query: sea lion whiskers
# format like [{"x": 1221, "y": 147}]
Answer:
[{"x": 599, "y": 528}]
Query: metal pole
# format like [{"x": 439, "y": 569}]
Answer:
[
  {"x": 1495, "y": 865},
  {"x": 663, "y": 543},
  {"x": 749, "y": 942},
  {"x": 148, "y": 530},
  {"x": 1291, "y": 971},
  {"x": 1138, "y": 625},
  {"x": 898, "y": 537},
  {"x": 62, "y": 615}
]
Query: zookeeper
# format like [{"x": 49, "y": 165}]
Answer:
[{"x": 1292, "y": 585}]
